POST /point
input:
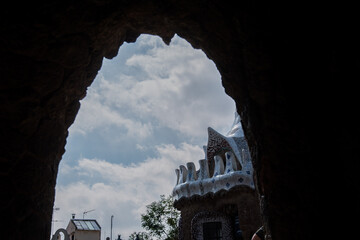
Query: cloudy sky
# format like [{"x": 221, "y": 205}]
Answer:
[{"x": 146, "y": 113}]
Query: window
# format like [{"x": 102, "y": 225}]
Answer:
[
  {"x": 211, "y": 226},
  {"x": 212, "y": 230},
  {"x": 89, "y": 225},
  {"x": 94, "y": 224}
]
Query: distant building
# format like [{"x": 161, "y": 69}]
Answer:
[
  {"x": 83, "y": 229},
  {"x": 219, "y": 200}
]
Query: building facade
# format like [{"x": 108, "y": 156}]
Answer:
[
  {"x": 218, "y": 201},
  {"x": 83, "y": 229}
]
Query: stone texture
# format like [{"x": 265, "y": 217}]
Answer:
[
  {"x": 240, "y": 201},
  {"x": 291, "y": 68}
]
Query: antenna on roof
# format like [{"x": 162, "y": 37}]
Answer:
[{"x": 87, "y": 212}]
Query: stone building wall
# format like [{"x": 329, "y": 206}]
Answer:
[{"x": 242, "y": 202}]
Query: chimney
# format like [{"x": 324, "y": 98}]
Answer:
[{"x": 73, "y": 216}]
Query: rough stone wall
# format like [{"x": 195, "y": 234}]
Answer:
[
  {"x": 241, "y": 201},
  {"x": 291, "y": 68}
]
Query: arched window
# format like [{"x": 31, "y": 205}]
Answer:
[
  {"x": 211, "y": 226},
  {"x": 212, "y": 230}
]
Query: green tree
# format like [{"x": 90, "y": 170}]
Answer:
[
  {"x": 141, "y": 235},
  {"x": 161, "y": 218}
]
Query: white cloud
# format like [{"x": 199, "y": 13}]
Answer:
[
  {"x": 140, "y": 147},
  {"x": 164, "y": 87},
  {"x": 122, "y": 191},
  {"x": 182, "y": 90},
  {"x": 96, "y": 114},
  {"x": 176, "y": 86}
]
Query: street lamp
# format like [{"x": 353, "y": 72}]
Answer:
[
  {"x": 52, "y": 220},
  {"x": 111, "y": 227}
]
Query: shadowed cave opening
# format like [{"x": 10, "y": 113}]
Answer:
[
  {"x": 285, "y": 66},
  {"x": 146, "y": 113}
]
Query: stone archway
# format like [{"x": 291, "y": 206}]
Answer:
[
  {"x": 57, "y": 233},
  {"x": 267, "y": 57}
]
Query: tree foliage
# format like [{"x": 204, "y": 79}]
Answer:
[
  {"x": 161, "y": 218},
  {"x": 140, "y": 235}
]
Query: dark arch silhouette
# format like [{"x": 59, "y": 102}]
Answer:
[{"x": 289, "y": 68}]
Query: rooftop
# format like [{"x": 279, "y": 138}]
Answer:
[
  {"x": 227, "y": 164},
  {"x": 86, "y": 224}
]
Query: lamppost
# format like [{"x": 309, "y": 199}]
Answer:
[
  {"x": 52, "y": 221},
  {"x": 111, "y": 227}
]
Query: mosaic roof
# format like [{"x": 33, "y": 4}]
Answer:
[{"x": 227, "y": 164}]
